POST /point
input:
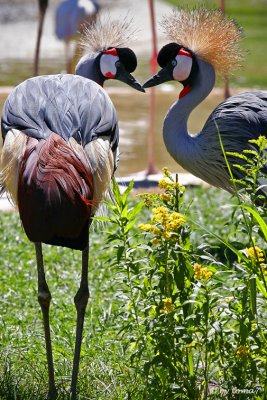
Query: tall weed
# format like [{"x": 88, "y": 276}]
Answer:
[{"x": 194, "y": 326}]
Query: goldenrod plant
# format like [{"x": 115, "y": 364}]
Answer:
[{"x": 193, "y": 326}]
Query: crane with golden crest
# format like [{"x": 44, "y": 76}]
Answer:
[
  {"x": 60, "y": 151},
  {"x": 204, "y": 43}
]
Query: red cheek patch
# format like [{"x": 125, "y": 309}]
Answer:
[{"x": 183, "y": 52}]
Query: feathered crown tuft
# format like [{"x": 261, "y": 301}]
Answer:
[
  {"x": 209, "y": 34},
  {"x": 105, "y": 33}
]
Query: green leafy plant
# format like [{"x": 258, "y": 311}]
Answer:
[{"x": 195, "y": 323}]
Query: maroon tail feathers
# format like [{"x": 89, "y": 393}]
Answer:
[{"x": 55, "y": 193}]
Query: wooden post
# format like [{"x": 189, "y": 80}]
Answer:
[
  {"x": 226, "y": 84},
  {"x": 151, "y": 169}
]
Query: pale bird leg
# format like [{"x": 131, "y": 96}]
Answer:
[
  {"x": 80, "y": 300},
  {"x": 67, "y": 56},
  {"x": 44, "y": 298}
]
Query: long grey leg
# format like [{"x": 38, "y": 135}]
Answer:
[
  {"x": 80, "y": 300},
  {"x": 44, "y": 298}
]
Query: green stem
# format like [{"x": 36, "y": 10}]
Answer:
[
  {"x": 253, "y": 296},
  {"x": 206, "y": 369},
  {"x": 265, "y": 384},
  {"x": 177, "y": 194},
  {"x": 167, "y": 274},
  {"x": 190, "y": 361},
  {"x": 246, "y": 223},
  {"x": 125, "y": 244}
]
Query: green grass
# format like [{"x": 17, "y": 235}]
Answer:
[
  {"x": 23, "y": 365},
  {"x": 14, "y": 71},
  {"x": 105, "y": 372},
  {"x": 107, "y": 369}
]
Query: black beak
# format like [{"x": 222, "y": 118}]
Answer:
[
  {"x": 164, "y": 75},
  {"x": 124, "y": 76}
]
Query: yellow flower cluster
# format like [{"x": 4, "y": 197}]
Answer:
[
  {"x": 165, "y": 197},
  {"x": 148, "y": 198},
  {"x": 170, "y": 221},
  {"x": 264, "y": 269},
  {"x": 166, "y": 172},
  {"x": 149, "y": 228},
  {"x": 201, "y": 273},
  {"x": 145, "y": 227},
  {"x": 167, "y": 306},
  {"x": 167, "y": 184},
  {"x": 261, "y": 141},
  {"x": 175, "y": 221},
  {"x": 160, "y": 214},
  {"x": 242, "y": 351},
  {"x": 255, "y": 254}
]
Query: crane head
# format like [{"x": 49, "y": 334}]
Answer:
[
  {"x": 118, "y": 63},
  {"x": 178, "y": 63}
]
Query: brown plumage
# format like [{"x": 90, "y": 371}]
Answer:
[{"x": 55, "y": 192}]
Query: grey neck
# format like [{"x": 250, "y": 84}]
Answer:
[
  {"x": 177, "y": 139},
  {"x": 88, "y": 67}
]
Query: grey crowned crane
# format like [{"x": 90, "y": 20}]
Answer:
[
  {"x": 72, "y": 16},
  {"x": 60, "y": 151},
  {"x": 203, "y": 43}
]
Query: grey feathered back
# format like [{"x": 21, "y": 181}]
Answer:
[
  {"x": 239, "y": 118},
  {"x": 71, "y": 106}
]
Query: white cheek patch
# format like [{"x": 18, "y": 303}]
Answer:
[
  {"x": 183, "y": 68},
  {"x": 107, "y": 65}
]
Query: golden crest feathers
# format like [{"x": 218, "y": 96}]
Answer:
[
  {"x": 105, "y": 33},
  {"x": 209, "y": 34}
]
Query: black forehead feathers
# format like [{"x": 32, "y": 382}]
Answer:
[
  {"x": 169, "y": 52},
  {"x": 127, "y": 58}
]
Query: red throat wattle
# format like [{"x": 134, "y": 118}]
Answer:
[
  {"x": 109, "y": 75},
  {"x": 185, "y": 91},
  {"x": 187, "y": 88}
]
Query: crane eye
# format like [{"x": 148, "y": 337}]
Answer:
[
  {"x": 117, "y": 64},
  {"x": 174, "y": 63}
]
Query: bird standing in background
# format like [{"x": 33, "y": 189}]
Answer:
[
  {"x": 204, "y": 42},
  {"x": 72, "y": 16},
  {"x": 60, "y": 145}
]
